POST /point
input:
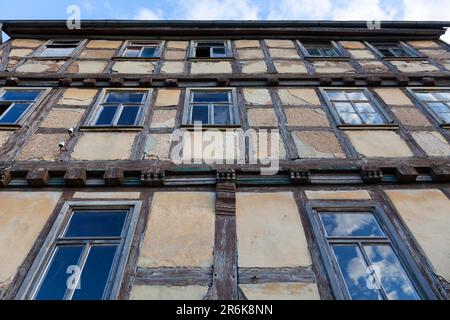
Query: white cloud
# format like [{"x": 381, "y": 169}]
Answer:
[
  {"x": 366, "y": 10},
  {"x": 428, "y": 10},
  {"x": 299, "y": 9},
  {"x": 147, "y": 14},
  {"x": 217, "y": 10}
]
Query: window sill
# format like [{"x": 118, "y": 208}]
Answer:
[
  {"x": 10, "y": 127},
  {"x": 109, "y": 128},
  {"x": 136, "y": 59},
  {"x": 212, "y": 59},
  {"x": 421, "y": 58},
  {"x": 369, "y": 127},
  {"x": 327, "y": 58},
  {"x": 191, "y": 127},
  {"x": 51, "y": 58}
]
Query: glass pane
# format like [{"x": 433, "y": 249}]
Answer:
[
  {"x": 148, "y": 52},
  {"x": 355, "y": 273},
  {"x": 128, "y": 116},
  {"x": 125, "y": 97},
  {"x": 372, "y": 118},
  {"x": 106, "y": 116},
  {"x": 95, "y": 273},
  {"x": 438, "y": 107},
  {"x": 445, "y": 117},
  {"x": 96, "y": 224},
  {"x": 20, "y": 95},
  {"x": 210, "y": 44},
  {"x": 54, "y": 285},
  {"x": 426, "y": 96},
  {"x": 400, "y": 52},
  {"x": 219, "y": 52},
  {"x": 364, "y": 107},
  {"x": 337, "y": 95},
  {"x": 131, "y": 53},
  {"x": 443, "y": 96},
  {"x": 357, "y": 96},
  {"x": 330, "y": 52},
  {"x": 314, "y": 52},
  {"x": 56, "y": 52},
  {"x": 386, "y": 52},
  {"x": 351, "y": 225},
  {"x": 200, "y": 114},
  {"x": 222, "y": 115},
  {"x": 15, "y": 113},
  {"x": 211, "y": 96},
  {"x": 344, "y": 107},
  {"x": 350, "y": 118},
  {"x": 390, "y": 273}
]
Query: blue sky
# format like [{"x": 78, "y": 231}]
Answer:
[{"x": 231, "y": 9}]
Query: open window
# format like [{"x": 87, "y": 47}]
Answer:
[
  {"x": 142, "y": 50},
  {"x": 355, "y": 107},
  {"x": 211, "y": 107},
  {"x": 85, "y": 254},
  {"x": 210, "y": 49},
  {"x": 363, "y": 257},
  {"x": 15, "y": 104},
  {"x": 58, "y": 49},
  {"x": 120, "y": 108}
]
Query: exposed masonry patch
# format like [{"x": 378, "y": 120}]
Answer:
[
  {"x": 283, "y": 66},
  {"x": 333, "y": 67},
  {"x": 173, "y": 67},
  {"x": 87, "y": 67},
  {"x": 281, "y": 291},
  {"x": 298, "y": 97},
  {"x": 257, "y": 96},
  {"x": 163, "y": 119},
  {"x": 78, "y": 97},
  {"x": 250, "y": 67},
  {"x": 43, "y": 147},
  {"x": 414, "y": 66},
  {"x": 284, "y": 53},
  {"x": 317, "y": 144},
  {"x": 411, "y": 117},
  {"x": 157, "y": 146},
  {"x": 211, "y": 67},
  {"x": 307, "y": 117},
  {"x": 250, "y": 54},
  {"x": 62, "y": 118},
  {"x": 193, "y": 292},
  {"x": 38, "y": 66},
  {"x": 433, "y": 143},
  {"x": 137, "y": 67},
  {"x": 260, "y": 117}
]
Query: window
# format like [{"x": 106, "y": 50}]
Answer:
[
  {"x": 210, "y": 49},
  {"x": 120, "y": 109},
  {"x": 437, "y": 102},
  {"x": 14, "y": 104},
  {"x": 321, "y": 50},
  {"x": 354, "y": 107},
  {"x": 361, "y": 259},
  {"x": 142, "y": 49},
  {"x": 59, "y": 48},
  {"x": 393, "y": 50},
  {"x": 211, "y": 107},
  {"x": 86, "y": 255}
]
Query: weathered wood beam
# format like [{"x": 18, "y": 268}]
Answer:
[{"x": 266, "y": 275}]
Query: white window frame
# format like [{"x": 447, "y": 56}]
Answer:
[
  {"x": 193, "y": 49},
  {"x": 234, "y": 108},
  {"x": 38, "y": 53},
  {"x": 97, "y": 108},
  {"x": 129, "y": 43}
]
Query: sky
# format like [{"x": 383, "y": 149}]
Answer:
[{"x": 430, "y": 10}]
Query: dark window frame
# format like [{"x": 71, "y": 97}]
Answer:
[
  {"x": 413, "y": 94},
  {"x": 35, "y": 275},
  {"x": 19, "y": 123},
  {"x": 227, "y": 45},
  {"x": 337, "y": 285},
  {"x": 234, "y": 112},
  {"x": 414, "y": 54},
  {"x": 342, "y": 53},
  {"x": 389, "y": 122},
  {"x": 101, "y": 100}
]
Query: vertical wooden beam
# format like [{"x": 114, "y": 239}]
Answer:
[{"x": 225, "y": 278}]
